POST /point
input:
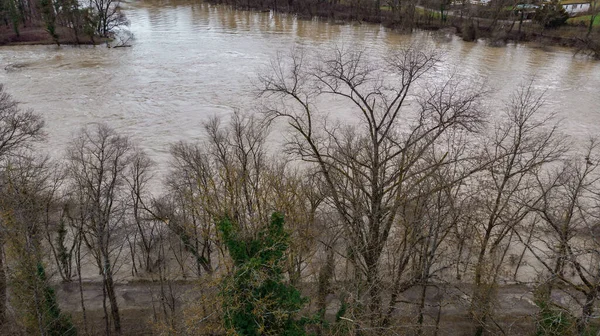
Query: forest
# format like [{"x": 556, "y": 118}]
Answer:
[{"x": 410, "y": 209}]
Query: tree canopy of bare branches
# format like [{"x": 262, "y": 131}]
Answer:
[{"x": 372, "y": 168}]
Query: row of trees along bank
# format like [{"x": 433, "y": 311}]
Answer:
[
  {"x": 499, "y": 21},
  {"x": 72, "y": 21},
  {"x": 405, "y": 220},
  {"x": 63, "y": 20}
]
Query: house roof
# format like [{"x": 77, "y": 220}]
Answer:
[{"x": 573, "y": 2}]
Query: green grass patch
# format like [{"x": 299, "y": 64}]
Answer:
[
  {"x": 425, "y": 12},
  {"x": 418, "y": 10},
  {"x": 585, "y": 19}
]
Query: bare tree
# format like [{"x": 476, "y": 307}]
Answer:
[
  {"x": 523, "y": 143},
  {"x": 594, "y": 12},
  {"x": 147, "y": 233},
  {"x": 108, "y": 16},
  {"x": 566, "y": 242},
  {"x": 373, "y": 167},
  {"x": 98, "y": 161},
  {"x": 26, "y": 188},
  {"x": 295, "y": 193},
  {"x": 226, "y": 176},
  {"x": 19, "y": 129},
  {"x": 60, "y": 236},
  {"x": 434, "y": 216},
  {"x": 193, "y": 197},
  {"x": 75, "y": 217}
]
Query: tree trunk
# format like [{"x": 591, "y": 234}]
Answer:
[
  {"x": 481, "y": 305},
  {"x": 420, "y": 312},
  {"x": 324, "y": 284},
  {"x": 374, "y": 292},
  {"x": 2, "y": 287},
  {"x": 592, "y": 19},
  {"x": 112, "y": 297},
  {"x": 106, "y": 317},
  {"x": 80, "y": 283},
  {"x": 586, "y": 312}
]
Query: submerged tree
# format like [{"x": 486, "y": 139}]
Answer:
[{"x": 107, "y": 15}]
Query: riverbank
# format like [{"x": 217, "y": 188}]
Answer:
[
  {"x": 141, "y": 308},
  {"x": 148, "y": 308},
  {"x": 36, "y": 35}
]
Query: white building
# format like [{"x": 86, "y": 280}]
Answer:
[
  {"x": 574, "y": 7},
  {"x": 479, "y": 2}
]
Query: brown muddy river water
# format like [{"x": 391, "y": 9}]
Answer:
[{"x": 190, "y": 61}]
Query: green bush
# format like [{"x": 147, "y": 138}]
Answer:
[
  {"x": 551, "y": 320},
  {"x": 551, "y": 15},
  {"x": 59, "y": 324},
  {"x": 256, "y": 299}
]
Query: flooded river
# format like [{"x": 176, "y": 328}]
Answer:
[{"x": 190, "y": 61}]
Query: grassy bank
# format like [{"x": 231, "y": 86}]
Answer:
[{"x": 584, "y": 20}]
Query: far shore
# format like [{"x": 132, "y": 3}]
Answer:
[
  {"x": 567, "y": 36},
  {"x": 469, "y": 29}
]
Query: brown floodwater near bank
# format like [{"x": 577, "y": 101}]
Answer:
[{"x": 192, "y": 60}]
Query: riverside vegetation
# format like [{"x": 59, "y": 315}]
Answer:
[
  {"x": 59, "y": 21},
  {"x": 499, "y": 21},
  {"x": 408, "y": 218}
]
